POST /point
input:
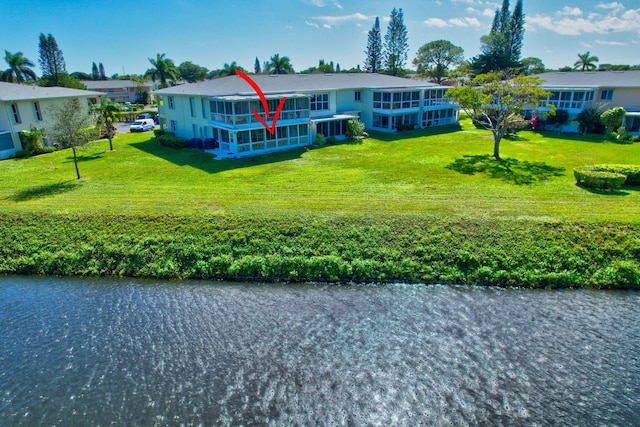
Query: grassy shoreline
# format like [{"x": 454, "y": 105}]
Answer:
[
  {"x": 325, "y": 248},
  {"x": 425, "y": 206}
]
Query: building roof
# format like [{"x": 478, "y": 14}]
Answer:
[
  {"x": 287, "y": 83},
  {"x": 592, "y": 79},
  {"x": 21, "y": 92},
  {"x": 112, "y": 84}
]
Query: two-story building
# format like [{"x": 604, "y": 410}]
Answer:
[
  {"x": 119, "y": 90},
  {"x": 222, "y": 109},
  {"x": 577, "y": 91},
  {"x": 24, "y": 106}
]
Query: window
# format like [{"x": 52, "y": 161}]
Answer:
[
  {"x": 192, "y": 106},
  {"x": 36, "y": 111},
  {"x": 16, "y": 113},
  {"x": 320, "y": 102},
  {"x": 377, "y": 100},
  {"x": 357, "y": 96},
  {"x": 243, "y": 137},
  {"x": 194, "y": 128},
  {"x": 606, "y": 95},
  {"x": 172, "y": 105},
  {"x": 174, "y": 125},
  {"x": 386, "y": 101},
  {"x": 203, "y": 104}
]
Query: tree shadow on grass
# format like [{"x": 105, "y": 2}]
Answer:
[
  {"x": 509, "y": 170},
  {"x": 42, "y": 191},
  {"x": 85, "y": 157}
]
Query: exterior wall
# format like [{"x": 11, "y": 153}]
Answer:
[
  {"x": 627, "y": 98},
  {"x": 176, "y": 116},
  {"x": 28, "y": 118}
]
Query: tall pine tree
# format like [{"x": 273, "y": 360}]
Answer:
[
  {"x": 51, "y": 60},
  {"x": 373, "y": 61},
  {"x": 256, "y": 66},
  {"x": 103, "y": 76},
  {"x": 396, "y": 44},
  {"x": 502, "y": 47},
  {"x": 95, "y": 75}
]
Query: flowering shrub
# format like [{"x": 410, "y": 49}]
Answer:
[{"x": 536, "y": 123}]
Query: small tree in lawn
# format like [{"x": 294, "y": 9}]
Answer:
[
  {"x": 612, "y": 119},
  {"x": 496, "y": 103},
  {"x": 70, "y": 126},
  {"x": 107, "y": 112},
  {"x": 355, "y": 129}
]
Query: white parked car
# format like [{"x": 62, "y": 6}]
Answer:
[{"x": 142, "y": 125}]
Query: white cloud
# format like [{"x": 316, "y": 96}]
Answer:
[
  {"x": 454, "y": 22},
  {"x": 332, "y": 21},
  {"x": 326, "y": 26},
  {"x": 489, "y": 13},
  {"x": 570, "y": 11},
  {"x": 572, "y": 21},
  {"x": 464, "y": 22},
  {"x": 436, "y": 22},
  {"x": 606, "y": 43},
  {"x": 312, "y": 24},
  {"x": 338, "y": 5},
  {"x": 615, "y": 6},
  {"x": 317, "y": 3},
  {"x": 587, "y": 45}
]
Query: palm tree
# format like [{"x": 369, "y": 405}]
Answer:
[
  {"x": 586, "y": 62},
  {"x": 107, "y": 112},
  {"x": 19, "y": 68},
  {"x": 230, "y": 69},
  {"x": 279, "y": 65},
  {"x": 163, "y": 69}
]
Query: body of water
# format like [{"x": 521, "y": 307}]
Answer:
[{"x": 101, "y": 352}]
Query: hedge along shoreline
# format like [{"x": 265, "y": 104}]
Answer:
[{"x": 325, "y": 248}]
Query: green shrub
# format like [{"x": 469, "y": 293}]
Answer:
[
  {"x": 612, "y": 118},
  {"x": 32, "y": 139},
  {"x": 172, "y": 141},
  {"x": 405, "y": 127},
  {"x": 319, "y": 139},
  {"x": 632, "y": 172},
  {"x": 635, "y": 138},
  {"x": 332, "y": 140},
  {"x": 159, "y": 132},
  {"x": 598, "y": 180},
  {"x": 47, "y": 149},
  {"x": 355, "y": 129},
  {"x": 22, "y": 154}
]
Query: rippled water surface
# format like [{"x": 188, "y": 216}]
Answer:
[{"x": 138, "y": 353}]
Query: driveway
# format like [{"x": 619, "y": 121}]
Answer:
[{"x": 123, "y": 127}]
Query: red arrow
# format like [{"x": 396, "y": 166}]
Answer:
[{"x": 265, "y": 104}]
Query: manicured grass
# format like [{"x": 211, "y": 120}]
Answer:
[
  {"x": 427, "y": 206},
  {"x": 385, "y": 175}
]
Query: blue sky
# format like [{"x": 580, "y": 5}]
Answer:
[{"x": 123, "y": 35}]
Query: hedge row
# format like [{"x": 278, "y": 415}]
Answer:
[
  {"x": 599, "y": 180},
  {"x": 168, "y": 139},
  {"x": 609, "y": 177},
  {"x": 331, "y": 249}
]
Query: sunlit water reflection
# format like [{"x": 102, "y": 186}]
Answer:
[{"x": 110, "y": 352}]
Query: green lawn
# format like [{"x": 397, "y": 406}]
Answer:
[
  {"x": 439, "y": 173},
  {"x": 425, "y": 206}
]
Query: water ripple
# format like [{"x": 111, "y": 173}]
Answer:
[{"x": 102, "y": 352}]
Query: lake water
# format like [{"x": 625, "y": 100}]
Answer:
[{"x": 89, "y": 352}]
